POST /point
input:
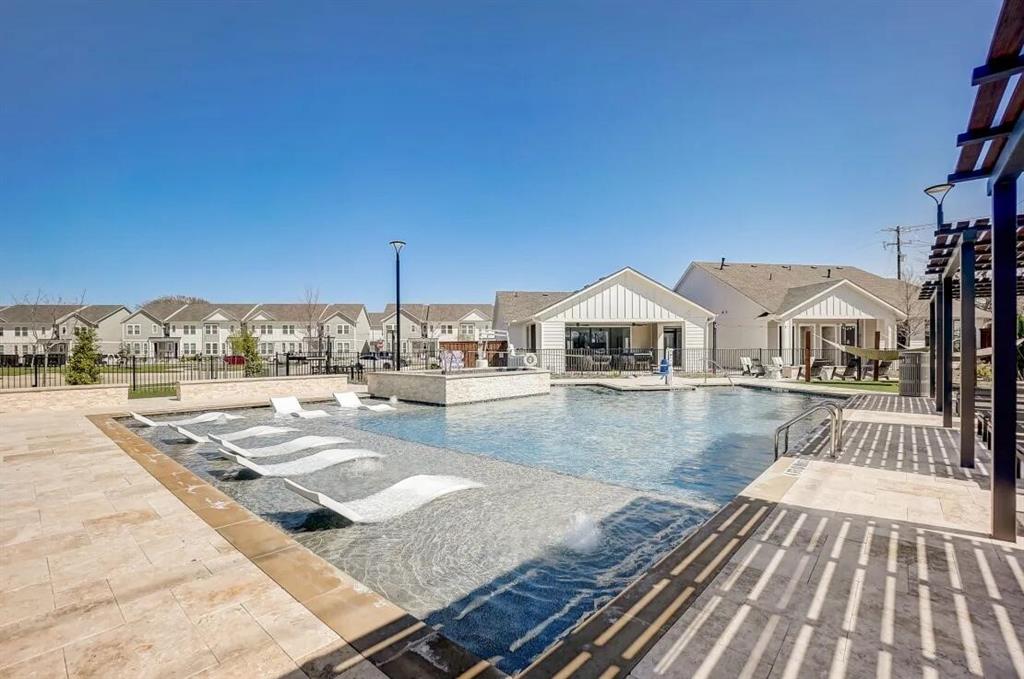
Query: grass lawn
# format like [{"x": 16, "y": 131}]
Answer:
[
  {"x": 881, "y": 387},
  {"x": 152, "y": 392}
]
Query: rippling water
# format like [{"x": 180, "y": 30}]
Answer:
[{"x": 583, "y": 491}]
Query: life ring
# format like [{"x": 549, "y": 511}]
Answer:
[{"x": 530, "y": 360}]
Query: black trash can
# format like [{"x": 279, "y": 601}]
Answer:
[{"x": 912, "y": 370}]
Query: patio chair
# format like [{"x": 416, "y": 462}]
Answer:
[
  {"x": 286, "y": 448},
  {"x": 204, "y": 418},
  {"x": 818, "y": 366},
  {"x": 746, "y": 364},
  {"x": 306, "y": 465},
  {"x": 757, "y": 368},
  {"x": 775, "y": 368},
  {"x": 289, "y": 405},
  {"x": 350, "y": 400},
  {"x": 852, "y": 370},
  {"x": 884, "y": 368},
  {"x": 401, "y": 498},
  {"x": 195, "y": 438}
]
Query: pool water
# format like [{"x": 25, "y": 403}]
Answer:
[
  {"x": 583, "y": 491},
  {"x": 702, "y": 445}
]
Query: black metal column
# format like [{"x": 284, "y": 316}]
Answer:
[
  {"x": 397, "y": 353},
  {"x": 1004, "y": 433},
  {"x": 932, "y": 337},
  {"x": 937, "y": 338},
  {"x": 1004, "y": 358},
  {"x": 947, "y": 351},
  {"x": 968, "y": 349}
]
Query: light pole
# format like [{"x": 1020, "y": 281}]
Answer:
[
  {"x": 398, "y": 245},
  {"x": 936, "y": 354}
]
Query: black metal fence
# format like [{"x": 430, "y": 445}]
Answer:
[{"x": 151, "y": 373}]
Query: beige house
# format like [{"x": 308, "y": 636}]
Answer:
[{"x": 29, "y": 329}]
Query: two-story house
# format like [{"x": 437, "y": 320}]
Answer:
[
  {"x": 458, "y": 322},
  {"x": 33, "y": 329}
]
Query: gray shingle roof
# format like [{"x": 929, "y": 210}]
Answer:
[
  {"x": 162, "y": 310},
  {"x": 517, "y": 305},
  {"x": 769, "y": 284},
  {"x": 36, "y": 313},
  {"x": 294, "y": 313},
  {"x": 417, "y": 311},
  {"x": 451, "y": 313},
  {"x": 94, "y": 313},
  {"x": 197, "y": 311},
  {"x": 349, "y": 311}
]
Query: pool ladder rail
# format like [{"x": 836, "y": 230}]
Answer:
[
  {"x": 724, "y": 372},
  {"x": 835, "y": 416}
]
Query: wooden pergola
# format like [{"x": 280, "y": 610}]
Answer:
[{"x": 986, "y": 257}]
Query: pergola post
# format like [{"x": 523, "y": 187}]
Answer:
[
  {"x": 947, "y": 351},
  {"x": 937, "y": 341},
  {"x": 931, "y": 348},
  {"x": 1004, "y": 358},
  {"x": 968, "y": 349}
]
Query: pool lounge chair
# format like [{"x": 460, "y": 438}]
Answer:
[
  {"x": 775, "y": 368},
  {"x": 757, "y": 368},
  {"x": 306, "y": 465},
  {"x": 350, "y": 400},
  {"x": 852, "y": 370},
  {"x": 195, "y": 438},
  {"x": 403, "y": 497},
  {"x": 818, "y": 366},
  {"x": 289, "y": 405},
  {"x": 252, "y": 432},
  {"x": 884, "y": 367},
  {"x": 204, "y": 418},
  {"x": 286, "y": 448}
]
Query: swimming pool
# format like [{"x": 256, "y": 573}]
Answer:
[{"x": 583, "y": 490}]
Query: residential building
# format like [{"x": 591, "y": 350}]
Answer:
[
  {"x": 348, "y": 325},
  {"x": 413, "y": 328},
  {"x": 773, "y": 306},
  {"x": 146, "y": 332},
  {"x": 28, "y": 329},
  {"x": 458, "y": 322},
  {"x": 623, "y": 312}
]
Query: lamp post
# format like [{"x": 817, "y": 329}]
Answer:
[
  {"x": 398, "y": 245},
  {"x": 936, "y": 354}
]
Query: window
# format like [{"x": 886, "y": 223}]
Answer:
[
  {"x": 133, "y": 329},
  {"x": 188, "y": 330},
  {"x": 288, "y": 329},
  {"x": 231, "y": 328},
  {"x": 156, "y": 329},
  {"x": 266, "y": 329},
  {"x": 211, "y": 329},
  {"x": 531, "y": 337},
  {"x": 344, "y": 329},
  {"x": 389, "y": 328},
  {"x": 63, "y": 331},
  {"x": 291, "y": 346},
  {"x": 20, "y": 331},
  {"x": 447, "y": 329},
  {"x": 466, "y": 329},
  {"x": 1, "y": 331},
  {"x": 345, "y": 347},
  {"x": 212, "y": 348}
]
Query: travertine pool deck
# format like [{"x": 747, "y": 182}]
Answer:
[{"x": 117, "y": 562}]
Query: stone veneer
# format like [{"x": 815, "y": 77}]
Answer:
[
  {"x": 467, "y": 386},
  {"x": 115, "y": 397}
]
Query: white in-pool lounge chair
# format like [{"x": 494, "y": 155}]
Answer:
[
  {"x": 286, "y": 448},
  {"x": 252, "y": 432},
  {"x": 350, "y": 400},
  {"x": 195, "y": 438},
  {"x": 289, "y": 405},
  {"x": 401, "y": 498},
  {"x": 306, "y": 465},
  {"x": 204, "y": 418}
]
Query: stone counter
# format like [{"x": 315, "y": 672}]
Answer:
[{"x": 464, "y": 386}]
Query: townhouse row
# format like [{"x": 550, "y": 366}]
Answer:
[{"x": 167, "y": 329}]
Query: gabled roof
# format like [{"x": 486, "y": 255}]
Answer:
[
  {"x": 163, "y": 309},
  {"x": 37, "y": 313},
  {"x": 200, "y": 311},
  {"x": 94, "y": 313},
  {"x": 511, "y": 306},
  {"x": 417, "y": 312},
  {"x": 768, "y": 285},
  {"x": 292, "y": 313},
  {"x": 376, "y": 318},
  {"x": 626, "y": 272},
  {"x": 453, "y": 313},
  {"x": 797, "y": 297},
  {"x": 349, "y": 311}
]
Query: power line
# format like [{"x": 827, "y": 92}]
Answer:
[{"x": 898, "y": 244}]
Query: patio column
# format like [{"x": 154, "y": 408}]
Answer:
[
  {"x": 968, "y": 350},
  {"x": 931, "y": 347},
  {"x": 1004, "y": 358},
  {"x": 947, "y": 351},
  {"x": 937, "y": 339}
]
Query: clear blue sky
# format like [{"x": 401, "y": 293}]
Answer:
[{"x": 242, "y": 151}]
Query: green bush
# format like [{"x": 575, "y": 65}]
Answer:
[
  {"x": 244, "y": 344},
  {"x": 84, "y": 364},
  {"x": 984, "y": 371}
]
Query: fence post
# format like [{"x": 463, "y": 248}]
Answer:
[
  {"x": 287, "y": 364},
  {"x": 35, "y": 372},
  {"x": 211, "y": 367},
  {"x": 134, "y": 385}
]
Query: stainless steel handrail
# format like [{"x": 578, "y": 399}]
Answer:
[
  {"x": 835, "y": 415},
  {"x": 714, "y": 363}
]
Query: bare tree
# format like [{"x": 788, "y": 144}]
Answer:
[
  {"x": 915, "y": 309},
  {"x": 311, "y": 316},
  {"x": 44, "y": 312}
]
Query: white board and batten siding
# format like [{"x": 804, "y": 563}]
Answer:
[
  {"x": 693, "y": 345},
  {"x": 843, "y": 303},
  {"x": 551, "y": 335},
  {"x": 618, "y": 303}
]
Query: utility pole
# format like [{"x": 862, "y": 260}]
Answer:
[{"x": 898, "y": 244}]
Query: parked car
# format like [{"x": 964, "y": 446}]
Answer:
[{"x": 234, "y": 360}]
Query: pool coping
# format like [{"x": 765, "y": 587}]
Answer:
[{"x": 379, "y": 631}]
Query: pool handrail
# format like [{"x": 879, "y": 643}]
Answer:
[
  {"x": 724, "y": 372},
  {"x": 835, "y": 415}
]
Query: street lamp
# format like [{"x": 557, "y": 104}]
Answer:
[
  {"x": 398, "y": 245},
  {"x": 938, "y": 194}
]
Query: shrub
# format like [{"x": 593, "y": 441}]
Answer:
[
  {"x": 244, "y": 344},
  {"x": 84, "y": 364},
  {"x": 984, "y": 371}
]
